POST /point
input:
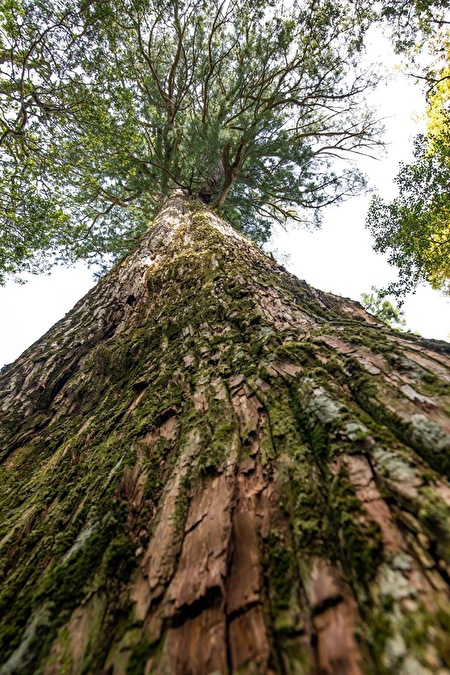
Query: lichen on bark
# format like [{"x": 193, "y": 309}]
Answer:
[{"x": 209, "y": 466}]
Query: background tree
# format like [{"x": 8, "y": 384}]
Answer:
[
  {"x": 414, "y": 228},
  {"x": 247, "y": 107}
]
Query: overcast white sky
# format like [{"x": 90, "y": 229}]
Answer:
[{"x": 338, "y": 258}]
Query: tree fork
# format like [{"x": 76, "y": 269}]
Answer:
[{"x": 208, "y": 466}]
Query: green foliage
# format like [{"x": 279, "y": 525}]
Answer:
[
  {"x": 414, "y": 229},
  {"x": 41, "y": 92},
  {"x": 105, "y": 107},
  {"x": 376, "y": 303}
]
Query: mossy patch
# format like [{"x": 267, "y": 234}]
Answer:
[
  {"x": 434, "y": 514},
  {"x": 281, "y": 571},
  {"x": 358, "y": 541}
]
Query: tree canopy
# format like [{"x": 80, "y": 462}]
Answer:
[{"x": 106, "y": 106}]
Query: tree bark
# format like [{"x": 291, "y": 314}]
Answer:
[{"x": 210, "y": 467}]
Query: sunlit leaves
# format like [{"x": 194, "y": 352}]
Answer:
[{"x": 414, "y": 229}]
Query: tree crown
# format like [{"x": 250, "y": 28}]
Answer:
[{"x": 107, "y": 106}]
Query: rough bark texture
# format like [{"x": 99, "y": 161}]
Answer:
[{"x": 210, "y": 467}]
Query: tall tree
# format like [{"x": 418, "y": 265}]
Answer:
[
  {"x": 208, "y": 466},
  {"x": 247, "y": 105}
]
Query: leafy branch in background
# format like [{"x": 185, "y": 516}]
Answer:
[
  {"x": 41, "y": 93},
  {"x": 413, "y": 23},
  {"x": 414, "y": 229},
  {"x": 376, "y": 303}
]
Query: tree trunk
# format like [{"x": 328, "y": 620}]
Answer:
[{"x": 210, "y": 467}]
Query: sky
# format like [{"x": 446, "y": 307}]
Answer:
[{"x": 338, "y": 258}]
